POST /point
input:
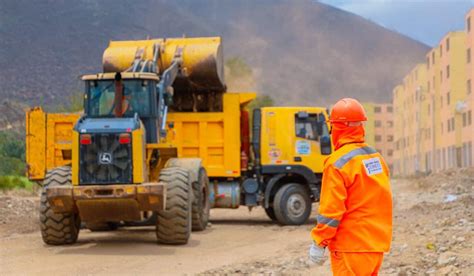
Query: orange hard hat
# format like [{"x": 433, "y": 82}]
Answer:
[{"x": 347, "y": 110}]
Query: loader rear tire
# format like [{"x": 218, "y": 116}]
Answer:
[
  {"x": 201, "y": 204},
  {"x": 57, "y": 228},
  {"x": 174, "y": 223},
  {"x": 292, "y": 204}
]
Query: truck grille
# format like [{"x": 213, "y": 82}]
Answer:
[{"x": 105, "y": 160}]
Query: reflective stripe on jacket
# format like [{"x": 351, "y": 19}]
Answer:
[{"x": 355, "y": 211}]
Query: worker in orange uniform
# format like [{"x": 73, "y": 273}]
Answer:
[{"x": 355, "y": 211}]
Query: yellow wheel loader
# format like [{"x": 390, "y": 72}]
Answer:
[{"x": 160, "y": 142}]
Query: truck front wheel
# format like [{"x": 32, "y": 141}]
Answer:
[{"x": 292, "y": 204}]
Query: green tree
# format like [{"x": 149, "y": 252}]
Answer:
[
  {"x": 238, "y": 68},
  {"x": 12, "y": 153},
  {"x": 75, "y": 103},
  {"x": 261, "y": 101}
]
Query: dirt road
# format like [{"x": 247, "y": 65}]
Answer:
[
  {"x": 432, "y": 235},
  {"x": 235, "y": 236}
]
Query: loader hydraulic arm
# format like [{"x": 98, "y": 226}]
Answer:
[{"x": 165, "y": 90}]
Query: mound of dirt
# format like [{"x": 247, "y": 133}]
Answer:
[
  {"x": 433, "y": 225},
  {"x": 18, "y": 214}
]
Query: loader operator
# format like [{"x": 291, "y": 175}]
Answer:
[{"x": 355, "y": 211}]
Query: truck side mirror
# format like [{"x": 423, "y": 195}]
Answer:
[
  {"x": 319, "y": 128},
  {"x": 325, "y": 145}
]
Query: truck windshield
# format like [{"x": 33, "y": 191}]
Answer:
[{"x": 101, "y": 96}]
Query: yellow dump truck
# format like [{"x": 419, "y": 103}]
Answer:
[{"x": 160, "y": 142}]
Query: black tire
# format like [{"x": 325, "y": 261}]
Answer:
[
  {"x": 201, "y": 204},
  {"x": 101, "y": 226},
  {"x": 57, "y": 228},
  {"x": 174, "y": 223},
  {"x": 292, "y": 204},
  {"x": 270, "y": 213}
]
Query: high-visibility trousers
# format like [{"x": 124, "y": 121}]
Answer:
[{"x": 355, "y": 263}]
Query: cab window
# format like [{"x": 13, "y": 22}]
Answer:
[{"x": 306, "y": 126}]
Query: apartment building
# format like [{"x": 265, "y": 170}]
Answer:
[
  {"x": 467, "y": 107},
  {"x": 433, "y": 108},
  {"x": 410, "y": 101},
  {"x": 379, "y": 129}
]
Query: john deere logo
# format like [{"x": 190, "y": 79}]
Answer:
[{"x": 105, "y": 158}]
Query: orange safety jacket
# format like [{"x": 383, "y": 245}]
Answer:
[{"x": 355, "y": 211}]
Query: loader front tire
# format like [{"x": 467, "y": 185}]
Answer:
[
  {"x": 173, "y": 225},
  {"x": 201, "y": 204},
  {"x": 57, "y": 228}
]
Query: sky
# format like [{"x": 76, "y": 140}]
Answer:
[{"x": 424, "y": 20}]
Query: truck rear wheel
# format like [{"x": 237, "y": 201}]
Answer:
[
  {"x": 57, "y": 228},
  {"x": 292, "y": 204},
  {"x": 174, "y": 223},
  {"x": 201, "y": 204}
]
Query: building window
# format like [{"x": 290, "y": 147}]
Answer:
[
  {"x": 452, "y": 124},
  {"x": 378, "y": 138},
  {"x": 468, "y": 23},
  {"x": 464, "y": 119},
  {"x": 448, "y": 122},
  {"x": 441, "y": 75},
  {"x": 433, "y": 58},
  {"x": 448, "y": 98},
  {"x": 378, "y": 123},
  {"x": 447, "y": 71},
  {"x": 428, "y": 62},
  {"x": 389, "y": 109},
  {"x": 468, "y": 87},
  {"x": 390, "y": 138},
  {"x": 468, "y": 55},
  {"x": 377, "y": 109},
  {"x": 390, "y": 123},
  {"x": 447, "y": 44},
  {"x": 390, "y": 152}
]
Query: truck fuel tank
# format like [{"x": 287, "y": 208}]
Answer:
[{"x": 224, "y": 194}]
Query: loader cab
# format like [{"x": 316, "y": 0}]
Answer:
[{"x": 139, "y": 98}]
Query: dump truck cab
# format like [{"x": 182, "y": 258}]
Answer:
[{"x": 290, "y": 145}]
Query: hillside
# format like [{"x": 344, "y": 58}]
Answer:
[{"x": 301, "y": 52}]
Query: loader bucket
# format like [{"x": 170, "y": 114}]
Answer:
[{"x": 202, "y": 58}]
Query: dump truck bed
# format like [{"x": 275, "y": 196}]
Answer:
[
  {"x": 212, "y": 136},
  {"x": 48, "y": 141}
]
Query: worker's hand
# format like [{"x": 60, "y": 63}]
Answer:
[{"x": 316, "y": 254}]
